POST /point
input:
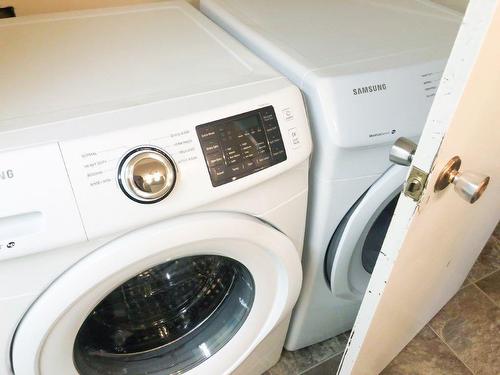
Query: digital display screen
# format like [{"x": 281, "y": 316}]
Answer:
[
  {"x": 240, "y": 145},
  {"x": 247, "y": 123}
]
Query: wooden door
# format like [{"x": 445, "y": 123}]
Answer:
[{"x": 432, "y": 243}]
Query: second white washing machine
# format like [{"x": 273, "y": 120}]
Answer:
[{"x": 369, "y": 71}]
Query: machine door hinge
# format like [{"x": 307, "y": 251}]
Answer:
[{"x": 415, "y": 184}]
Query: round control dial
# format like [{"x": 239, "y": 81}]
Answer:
[{"x": 147, "y": 174}]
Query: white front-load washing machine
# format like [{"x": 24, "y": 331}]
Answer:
[
  {"x": 369, "y": 71},
  {"x": 153, "y": 198}
]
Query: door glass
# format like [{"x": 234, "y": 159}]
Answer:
[
  {"x": 167, "y": 319},
  {"x": 376, "y": 235},
  {"x": 366, "y": 247}
]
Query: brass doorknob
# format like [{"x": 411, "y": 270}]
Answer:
[{"x": 468, "y": 185}]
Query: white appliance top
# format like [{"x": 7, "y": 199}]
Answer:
[
  {"x": 58, "y": 66},
  {"x": 88, "y": 96},
  {"x": 369, "y": 68},
  {"x": 302, "y": 36}
]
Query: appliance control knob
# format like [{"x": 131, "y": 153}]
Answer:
[{"x": 147, "y": 174}]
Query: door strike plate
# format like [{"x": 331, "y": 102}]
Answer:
[{"x": 415, "y": 184}]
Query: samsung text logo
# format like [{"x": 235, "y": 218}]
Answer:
[
  {"x": 7, "y": 174},
  {"x": 369, "y": 89}
]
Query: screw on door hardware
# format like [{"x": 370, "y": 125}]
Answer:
[
  {"x": 415, "y": 184},
  {"x": 11, "y": 244}
]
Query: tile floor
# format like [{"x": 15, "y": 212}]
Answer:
[{"x": 463, "y": 338}]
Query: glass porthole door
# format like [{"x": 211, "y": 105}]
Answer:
[
  {"x": 169, "y": 318},
  {"x": 356, "y": 243},
  {"x": 194, "y": 299}
]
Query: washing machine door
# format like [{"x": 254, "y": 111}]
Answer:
[
  {"x": 356, "y": 243},
  {"x": 195, "y": 294}
]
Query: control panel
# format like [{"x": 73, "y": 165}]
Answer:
[
  {"x": 158, "y": 163},
  {"x": 238, "y": 146},
  {"x": 121, "y": 170}
]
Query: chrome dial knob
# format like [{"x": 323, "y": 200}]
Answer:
[{"x": 147, "y": 174}]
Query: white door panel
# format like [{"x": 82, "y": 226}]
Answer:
[{"x": 432, "y": 244}]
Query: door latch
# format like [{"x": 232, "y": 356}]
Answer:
[{"x": 415, "y": 184}]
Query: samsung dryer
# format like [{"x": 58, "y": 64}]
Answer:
[
  {"x": 153, "y": 201},
  {"x": 369, "y": 71}
]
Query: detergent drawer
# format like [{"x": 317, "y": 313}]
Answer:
[{"x": 38, "y": 210}]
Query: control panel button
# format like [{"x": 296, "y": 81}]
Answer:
[
  {"x": 250, "y": 164},
  {"x": 211, "y": 146},
  {"x": 264, "y": 160},
  {"x": 236, "y": 168},
  {"x": 268, "y": 115},
  {"x": 275, "y": 141},
  {"x": 273, "y": 136},
  {"x": 272, "y": 127},
  {"x": 277, "y": 147},
  {"x": 219, "y": 173},
  {"x": 287, "y": 114},
  {"x": 278, "y": 151},
  {"x": 208, "y": 132},
  {"x": 147, "y": 174},
  {"x": 294, "y": 136},
  {"x": 215, "y": 159}
]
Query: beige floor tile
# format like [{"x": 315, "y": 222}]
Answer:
[
  {"x": 426, "y": 354},
  {"x": 294, "y": 363},
  {"x": 470, "y": 324},
  {"x": 491, "y": 286},
  {"x": 496, "y": 232},
  {"x": 488, "y": 261},
  {"x": 328, "y": 367}
]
